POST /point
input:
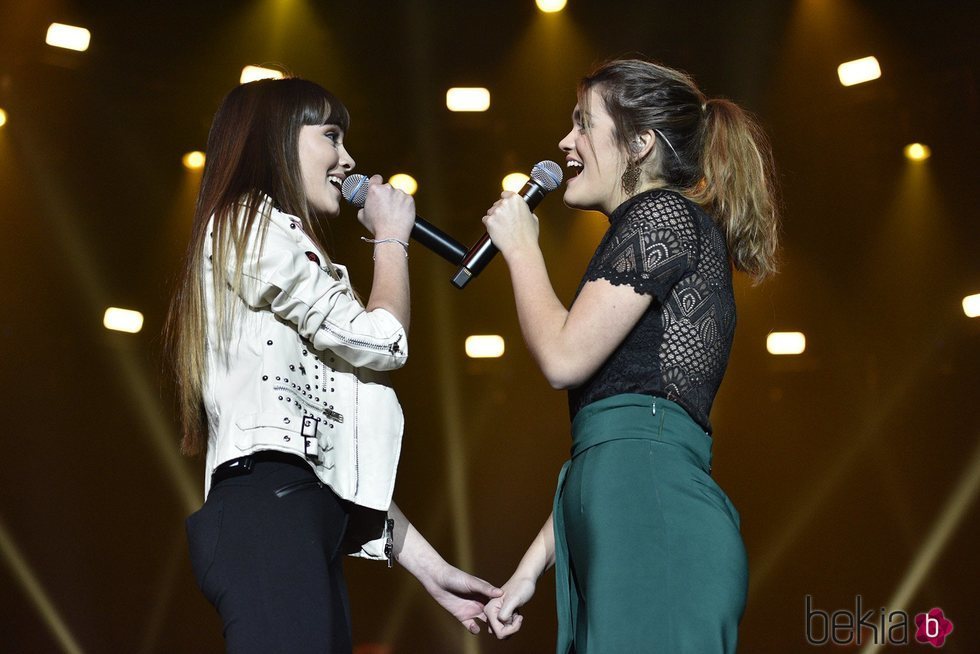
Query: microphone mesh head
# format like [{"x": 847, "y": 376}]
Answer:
[
  {"x": 355, "y": 188},
  {"x": 546, "y": 174}
]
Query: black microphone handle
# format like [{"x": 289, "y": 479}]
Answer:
[
  {"x": 484, "y": 250},
  {"x": 438, "y": 241}
]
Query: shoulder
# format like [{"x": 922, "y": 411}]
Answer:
[{"x": 661, "y": 208}]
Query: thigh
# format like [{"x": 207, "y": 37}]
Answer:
[
  {"x": 274, "y": 572},
  {"x": 657, "y": 562}
]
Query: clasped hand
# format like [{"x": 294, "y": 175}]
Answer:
[{"x": 503, "y": 617}]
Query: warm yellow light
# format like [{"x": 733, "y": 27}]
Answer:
[
  {"x": 917, "y": 152},
  {"x": 858, "y": 71},
  {"x": 786, "y": 343},
  {"x": 123, "y": 320},
  {"x": 404, "y": 182},
  {"x": 971, "y": 305},
  {"x": 514, "y": 182},
  {"x": 194, "y": 160},
  {"x": 253, "y": 73},
  {"x": 461, "y": 98},
  {"x": 485, "y": 346},
  {"x": 3, "y": 117},
  {"x": 68, "y": 37},
  {"x": 551, "y": 6}
]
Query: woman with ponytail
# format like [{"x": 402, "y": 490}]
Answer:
[
  {"x": 646, "y": 546},
  {"x": 282, "y": 384}
]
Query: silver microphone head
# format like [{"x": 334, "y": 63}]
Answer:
[
  {"x": 546, "y": 174},
  {"x": 355, "y": 188}
]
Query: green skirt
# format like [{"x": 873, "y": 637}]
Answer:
[{"x": 648, "y": 555}]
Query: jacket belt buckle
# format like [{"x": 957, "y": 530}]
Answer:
[{"x": 311, "y": 445}]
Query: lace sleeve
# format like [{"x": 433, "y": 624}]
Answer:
[{"x": 650, "y": 248}]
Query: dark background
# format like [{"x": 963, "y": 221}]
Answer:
[{"x": 855, "y": 466}]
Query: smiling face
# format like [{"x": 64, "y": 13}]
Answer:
[
  {"x": 324, "y": 163},
  {"x": 591, "y": 150}
]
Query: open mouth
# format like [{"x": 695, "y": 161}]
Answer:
[
  {"x": 574, "y": 168},
  {"x": 336, "y": 181}
]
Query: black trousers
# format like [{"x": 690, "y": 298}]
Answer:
[{"x": 265, "y": 549}]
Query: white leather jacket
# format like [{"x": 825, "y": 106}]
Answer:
[{"x": 303, "y": 370}]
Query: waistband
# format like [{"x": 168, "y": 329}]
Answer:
[
  {"x": 243, "y": 465},
  {"x": 635, "y": 416}
]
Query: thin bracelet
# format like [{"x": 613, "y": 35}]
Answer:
[{"x": 404, "y": 244}]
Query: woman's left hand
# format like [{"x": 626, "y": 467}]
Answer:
[{"x": 511, "y": 225}]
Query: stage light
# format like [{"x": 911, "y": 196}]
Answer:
[
  {"x": 193, "y": 160},
  {"x": 858, "y": 71},
  {"x": 3, "y": 117},
  {"x": 514, "y": 182},
  {"x": 68, "y": 37},
  {"x": 781, "y": 343},
  {"x": 484, "y": 346},
  {"x": 460, "y": 98},
  {"x": 404, "y": 182},
  {"x": 971, "y": 305},
  {"x": 551, "y": 6},
  {"x": 123, "y": 320},
  {"x": 917, "y": 152},
  {"x": 253, "y": 73}
]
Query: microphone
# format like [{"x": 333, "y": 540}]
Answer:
[
  {"x": 354, "y": 190},
  {"x": 546, "y": 176}
]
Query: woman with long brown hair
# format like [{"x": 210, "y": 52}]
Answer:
[
  {"x": 646, "y": 546},
  {"x": 281, "y": 377}
]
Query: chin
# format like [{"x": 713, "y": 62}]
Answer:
[
  {"x": 569, "y": 198},
  {"x": 573, "y": 201}
]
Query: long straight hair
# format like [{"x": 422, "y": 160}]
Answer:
[
  {"x": 252, "y": 164},
  {"x": 710, "y": 150}
]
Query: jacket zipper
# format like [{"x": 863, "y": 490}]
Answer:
[
  {"x": 391, "y": 348},
  {"x": 357, "y": 477}
]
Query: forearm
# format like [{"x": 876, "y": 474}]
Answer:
[
  {"x": 411, "y": 550},
  {"x": 390, "y": 287},
  {"x": 541, "y": 314},
  {"x": 540, "y": 555}
]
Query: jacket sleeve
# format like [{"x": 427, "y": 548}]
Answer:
[{"x": 280, "y": 277}]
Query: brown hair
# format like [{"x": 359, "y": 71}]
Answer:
[
  {"x": 711, "y": 151},
  {"x": 252, "y": 160}
]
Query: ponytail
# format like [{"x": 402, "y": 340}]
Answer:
[{"x": 738, "y": 186}]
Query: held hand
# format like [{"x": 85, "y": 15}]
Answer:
[
  {"x": 388, "y": 212},
  {"x": 502, "y": 612},
  {"x": 462, "y": 594},
  {"x": 511, "y": 225}
]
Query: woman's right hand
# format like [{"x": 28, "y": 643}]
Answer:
[
  {"x": 388, "y": 212},
  {"x": 502, "y": 612}
]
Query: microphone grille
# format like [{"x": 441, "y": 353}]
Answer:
[
  {"x": 547, "y": 175},
  {"x": 354, "y": 189}
]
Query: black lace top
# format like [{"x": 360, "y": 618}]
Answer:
[{"x": 663, "y": 245}]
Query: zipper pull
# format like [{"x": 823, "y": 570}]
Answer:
[{"x": 390, "y": 541}]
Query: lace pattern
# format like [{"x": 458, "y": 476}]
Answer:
[{"x": 662, "y": 245}]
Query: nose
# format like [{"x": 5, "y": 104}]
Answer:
[
  {"x": 567, "y": 144},
  {"x": 346, "y": 161}
]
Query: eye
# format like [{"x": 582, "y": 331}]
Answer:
[{"x": 332, "y": 135}]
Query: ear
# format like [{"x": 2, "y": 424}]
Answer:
[{"x": 644, "y": 144}]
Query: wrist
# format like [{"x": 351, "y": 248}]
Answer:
[
  {"x": 522, "y": 255},
  {"x": 390, "y": 241}
]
